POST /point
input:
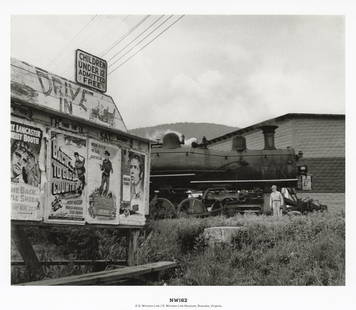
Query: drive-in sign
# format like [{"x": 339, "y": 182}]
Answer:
[{"x": 91, "y": 71}]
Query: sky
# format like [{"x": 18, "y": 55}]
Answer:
[{"x": 234, "y": 70}]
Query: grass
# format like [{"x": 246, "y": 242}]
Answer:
[
  {"x": 302, "y": 250},
  {"x": 305, "y": 250}
]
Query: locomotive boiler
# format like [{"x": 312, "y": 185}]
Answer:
[{"x": 196, "y": 179}]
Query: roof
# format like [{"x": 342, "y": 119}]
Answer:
[
  {"x": 275, "y": 120},
  {"x": 81, "y": 120}
]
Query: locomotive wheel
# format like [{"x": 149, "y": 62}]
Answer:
[
  {"x": 217, "y": 208},
  {"x": 227, "y": 200},
  {"x": 190, "y": 206},
  {"x": 162, "y": 208},
  {"x": 294, "y": 213},
  {"x": 182, "y": 209}
]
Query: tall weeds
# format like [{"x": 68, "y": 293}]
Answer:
[{"x": 305, "y": 250}]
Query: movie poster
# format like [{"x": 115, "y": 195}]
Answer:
[
  {"x": 26, "y": 144},
  {"x": 132, "y": 210},
  {"x": 67, "y": 157},
  {"x": 104, "y": 176}
]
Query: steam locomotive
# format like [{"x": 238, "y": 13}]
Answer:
[{"x": 198, "y": 180}]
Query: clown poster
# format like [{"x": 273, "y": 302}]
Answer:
[
  {"x": 67, "y": 165},
  {"x": 104, "y": 177},
  {"x": 26, "y": 142}
]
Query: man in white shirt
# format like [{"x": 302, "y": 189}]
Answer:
[{"x": 276, "y": 201}]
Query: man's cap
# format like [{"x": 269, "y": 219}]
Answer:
[
  {"x": 107, "y": 153},
  {"x": 76, "y": 153}
]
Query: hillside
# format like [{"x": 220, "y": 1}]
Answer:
[{"x": 189, "y": 130}]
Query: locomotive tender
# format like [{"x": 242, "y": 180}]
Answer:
[{"x": 240, "y": 178}]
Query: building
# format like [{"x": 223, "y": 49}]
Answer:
[{"x": 321, "y": 138}]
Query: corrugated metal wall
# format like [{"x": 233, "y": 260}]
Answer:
[{"x": 322, "y": 141}]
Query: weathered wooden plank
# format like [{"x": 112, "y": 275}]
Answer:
[
  {"x": 25, "y": 248},
  {"x": 132, "y": 247},
  {"x": 124, "y": 228},
  {"x": 107, "y": 277},
  {"x": 75, "y": 262},
  {"x": 45, "y": 89}
]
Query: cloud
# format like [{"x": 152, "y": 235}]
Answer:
[{"x": 234, "y": 70}]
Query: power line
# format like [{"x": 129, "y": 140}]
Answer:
[
  {"x": 146, "y": 45},
  {"x": 70, "y": 41},
  {"x": 69, "y": 62},
  {"x": 89, "y": 35},
  {"x": 169, "y": 17},
  {"x": 125, "y": 35},
  {"x": 63, "y": 61},
  {"x": 159, "y": 18}
]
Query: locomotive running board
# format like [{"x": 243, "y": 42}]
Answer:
[
  {"x": 172, "y": 175},
  {"x": 245, "y": 181}
]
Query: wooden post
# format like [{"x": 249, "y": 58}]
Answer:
[
  {"x": 25, "y": 248},
  {"x": 132, "y": 237},
  {"x": 266, "y": 207}
]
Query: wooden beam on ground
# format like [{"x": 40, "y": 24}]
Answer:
[
  {"x": 74, "y": 262},
  {"x": 107, "y": 277},
  {"x": 25, "y": 248}
]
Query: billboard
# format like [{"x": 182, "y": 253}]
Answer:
[
  {"x": 91, "y": 71},
  {"x": 67, "y": 165},
  {"x": 104, "y": 177},
  {"x": 59, "y": 171},
  {"x": 134, "y": 183},
  {"x": 26, "y": 154},
  {"x": 50, "y": 91}
]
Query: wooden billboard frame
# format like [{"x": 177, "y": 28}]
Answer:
[
  {"x": 35, "y": 267},
  {"x": 18, "y": 227}
]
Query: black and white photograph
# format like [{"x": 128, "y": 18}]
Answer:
[{"x": 198, "y": 155}]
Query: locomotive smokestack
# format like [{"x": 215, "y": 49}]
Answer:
[
  {"x": 268, "y": 133},
  {"x": 171, "y": 141},
  {"x": 239, "y": 143}
]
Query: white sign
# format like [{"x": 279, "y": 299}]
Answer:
[
  {"x": 306, "y": 182},
  {"x": 91, "y": 71}
]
